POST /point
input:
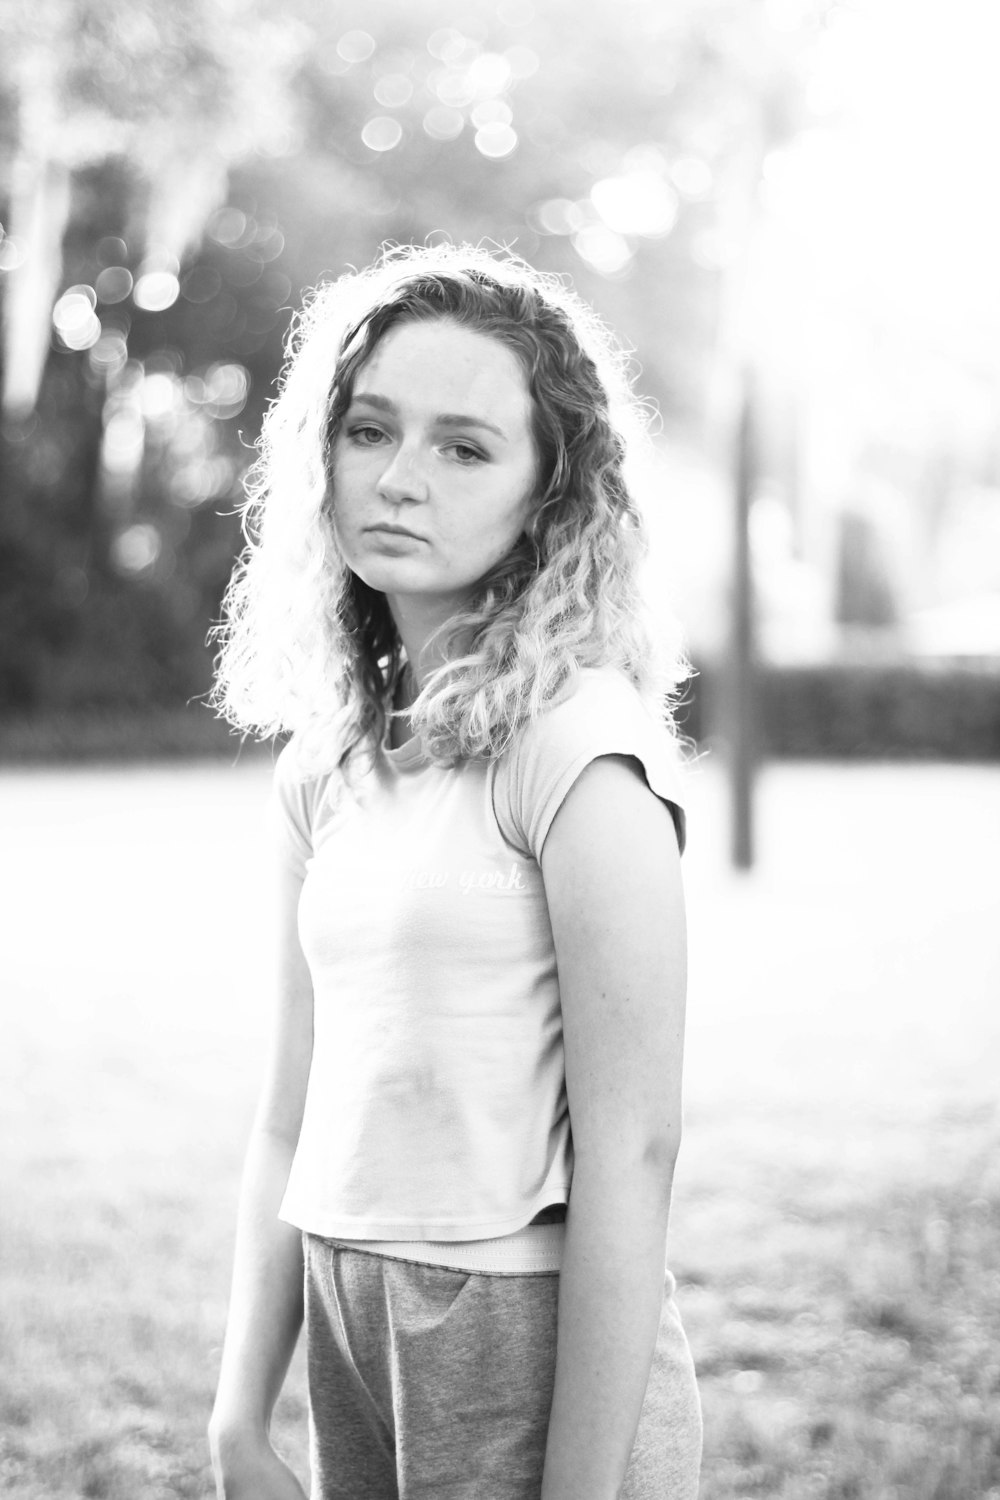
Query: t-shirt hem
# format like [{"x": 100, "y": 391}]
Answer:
[
  {"x": 343, "y": 1227},
  {"x": 535, "y": 1250}
]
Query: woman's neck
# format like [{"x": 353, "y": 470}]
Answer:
[
  {"x": 400, "y": 730},
  {"x": 417, "y": 619}
]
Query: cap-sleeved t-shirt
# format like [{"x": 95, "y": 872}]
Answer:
[{"x": 436, "y": 1106}]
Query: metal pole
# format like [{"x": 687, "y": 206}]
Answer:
[{"x": 742, "y": 655}]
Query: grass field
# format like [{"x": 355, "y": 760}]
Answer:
[{"x": 836, "y": 1226}]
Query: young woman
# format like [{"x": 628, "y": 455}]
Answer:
[{"x": 459, "y": 1175}]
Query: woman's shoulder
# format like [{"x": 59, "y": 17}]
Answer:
[
  {"x": 297, "y": 765},
  {"x": 288, "y": 765},
  {"x": 290, "y": 773},
  {"x": 596, "y": 697},
  {"x": 601, "y": 712},
  {"x": 299, "y": 785},
  {"x": 304, "y": 797},
  {"x": 607, "y": 683}
]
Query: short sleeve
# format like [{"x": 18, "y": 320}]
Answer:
[
  {"x": 604, "y": 715},
  {"x": 290, "y": 813}
]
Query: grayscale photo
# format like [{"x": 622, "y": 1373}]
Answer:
[{"x": 499, "y": 750}]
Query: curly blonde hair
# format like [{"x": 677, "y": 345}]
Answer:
[{"x": 308, "y": 647}]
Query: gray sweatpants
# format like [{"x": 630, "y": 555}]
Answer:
[{"x": 433, "y": 1384}]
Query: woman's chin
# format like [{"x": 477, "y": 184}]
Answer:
[{"x": 387, "y": 575}]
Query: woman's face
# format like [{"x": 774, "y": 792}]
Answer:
[{"x": 434, "y": 464}]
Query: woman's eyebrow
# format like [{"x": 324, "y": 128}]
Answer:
[
  {"x": 444, "y": 419},
  {"x": 456, "y": 419}
]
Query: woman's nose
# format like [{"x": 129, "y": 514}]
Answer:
[{"x": 403, "y": 476}]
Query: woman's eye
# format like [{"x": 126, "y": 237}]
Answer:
[
  {"x": 368, "y": 437},
  {"x": 466, "y": 454}
]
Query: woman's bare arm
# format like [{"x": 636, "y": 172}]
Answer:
[
  {"x": 611, "y": 868},
  {"x": 265, "y": 1310}
]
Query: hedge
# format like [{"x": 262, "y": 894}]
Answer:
[
  {"x": 862, "y": 711},
  {"x": 836, "y": 711}
]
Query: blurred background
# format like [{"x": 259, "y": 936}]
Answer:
[
  {"x": 787, "y": 209},
  {"x": 786, "y": 200}
]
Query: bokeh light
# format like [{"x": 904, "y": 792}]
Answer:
[
  {"x": 75, "y": 319},
  {"x": 155, "y": 291},
  {"x": 226, "y": 387},
  {"x": 268, "y": 242},
  {"x": 558, "y": 216},
  {"x": 10, "y": 254},
  {"x": 195, "y": 480},
  {"x": 444, "y": 124},
  {"x": 356, "y": 46},
  {"x": 454, "y": 87},
  {"x": 231, "y": 227},
  {"x": 603, "y": 249},
  {"x": 158, "y": 396},
  {"x": 111, "y": 251},
  {"x": 491, "y": 112},
  {"x": 393, "y": 90},
  {"x": 640, "y": 203},
  {"x": 489, "y": 74},
  {"x": 110, "y": 353},
  {"x": 496, "y": 140},
  {"x": 136, "y": 548},
  {"x": 124, "y": 438},
  {"x": 447, "y": 44},
  {"x": 113, "y": 284},
  {"x": 382, "y": 133}
]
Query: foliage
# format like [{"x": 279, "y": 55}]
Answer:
[
  {"x": 943, "y": 712},
  {"x": 120, "y": 78},
  {"x": 240, "y": 157}
]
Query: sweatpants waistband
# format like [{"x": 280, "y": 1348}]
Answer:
[{"x": 536, "y": 1248}]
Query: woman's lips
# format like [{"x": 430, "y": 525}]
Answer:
[{"x": 394, "y": 531}]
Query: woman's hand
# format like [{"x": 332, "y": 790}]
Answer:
[
  {"x": 249, "y": 1469},
  {"x": 265, "y": 1307}
]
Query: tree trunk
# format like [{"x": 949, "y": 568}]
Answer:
[{"x": 39, "y": 213}]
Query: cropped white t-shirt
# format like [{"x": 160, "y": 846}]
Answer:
[{"x": 436, "y": 1110}]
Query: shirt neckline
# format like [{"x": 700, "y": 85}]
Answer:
[{"x": 405, "y": 755}]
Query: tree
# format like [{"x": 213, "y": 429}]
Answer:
[
  {"x": 238, "y": 157},
  {"x": 176, "y": 92}
]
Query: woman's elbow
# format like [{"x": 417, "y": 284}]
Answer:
[{"x": 645, "y": 1162}]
